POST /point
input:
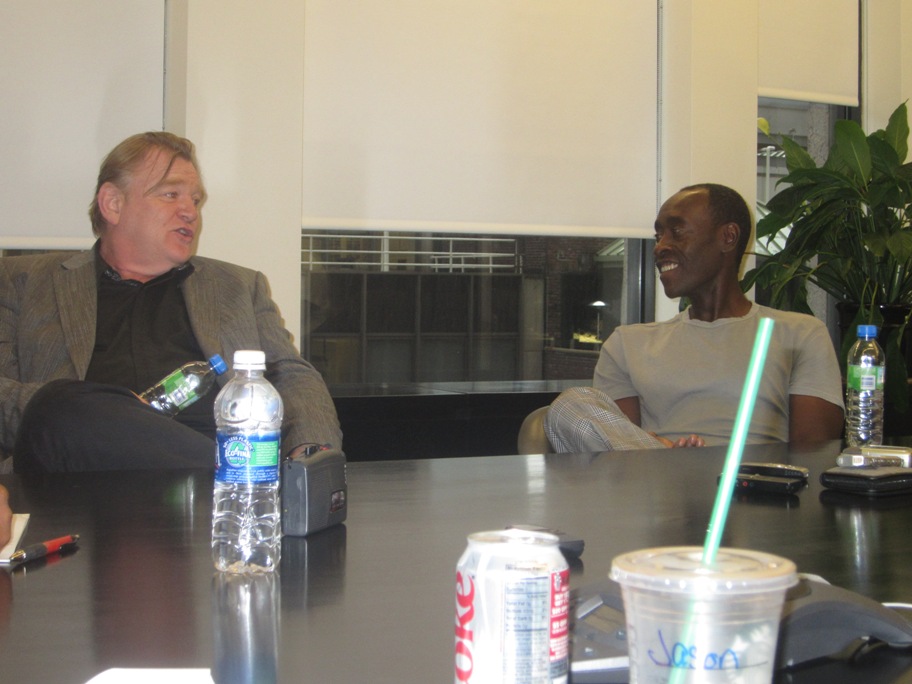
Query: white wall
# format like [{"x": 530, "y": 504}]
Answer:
[
  {"x": 906, "y": 49},
  {"x": 242, "y": 93},
  {"x": 887, "y": 59},
  {"x": 881, "y": 68},
  {"x": 65, "y": 101},
  {"x": 709, "y": 107}
]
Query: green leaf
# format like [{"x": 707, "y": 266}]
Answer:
[
  {"x": 900, "y": 245},
  {"x": 905, "y": 172},
  {"x": 851, "y": 150},
  {"x": 888, "y": 191},
  {"x": 787, "y": 201},
  {"x": 771, "y": 224},
  {"x": 849, "y": 339},
  {"x": 877, "y": 243},
  {"x": 822, "y": 179},
  {"x": 749, "y": 279},
  {"x": 796, "y": 157},
  {"x": 763, "y": 125},
  {"x": 884, "y": 158},
  {"x": 897, "y": 132}
]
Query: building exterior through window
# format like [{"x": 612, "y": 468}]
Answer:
[{"x": 412, "y": 307}]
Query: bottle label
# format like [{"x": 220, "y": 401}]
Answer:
[
  {"x": 178, "y": 390},
  {"x": 248, "y": 459},
  {"x": 865, "y": 378}
]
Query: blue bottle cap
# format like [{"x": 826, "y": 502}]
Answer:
[
  {"x": 867, "y": 331},
  {"x": 218, "y": 364}
]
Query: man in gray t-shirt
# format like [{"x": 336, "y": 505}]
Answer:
[{"x": 678, "y": 382}]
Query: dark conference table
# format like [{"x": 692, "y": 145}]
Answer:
[{"x": 372, "y": 600}]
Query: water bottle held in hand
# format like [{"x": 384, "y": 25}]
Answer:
[{"x": 177, "y": 390}]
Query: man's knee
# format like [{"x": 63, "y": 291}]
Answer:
[
  {"x": 578, "y": 404},
  {"x": 570, "y": 421},
  {"x": 585, "y": 419},
  {"x": 73, "y": 405},
  {"x": 56, "y": 413},
  {"x": 80, "y": 425}
]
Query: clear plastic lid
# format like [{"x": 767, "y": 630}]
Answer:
[
  {"x": 249, "y": 359},
  {"x": 680, "y": 569}
]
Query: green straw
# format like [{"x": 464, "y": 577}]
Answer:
[
  {"x": 736, "y": 446},
  {"x": 732, "y": 462}
]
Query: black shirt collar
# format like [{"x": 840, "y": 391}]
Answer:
[{"x": 105, "y": 271}]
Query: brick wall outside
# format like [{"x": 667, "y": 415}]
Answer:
[{"x": 569, "y": 364}]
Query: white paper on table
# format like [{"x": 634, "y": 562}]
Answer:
[
  {"x": 120, "y": 675},
  {"x": 20, "y": 522}
]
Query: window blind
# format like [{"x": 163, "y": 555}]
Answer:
[
  {"x": 478, "y": 116},
  {"x": 77, "y": 78},
  {"x": 809, "y": 50}
]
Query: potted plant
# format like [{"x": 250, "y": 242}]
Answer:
[{"x": 846, "y": 229}]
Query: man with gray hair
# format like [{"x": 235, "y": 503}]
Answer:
[{"x": 82, "y": 335}]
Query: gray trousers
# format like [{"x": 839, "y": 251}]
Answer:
[{"x": 584, "y": 419}]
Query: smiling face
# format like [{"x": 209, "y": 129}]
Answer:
[
  {"x": 152, "y": 223},
  {"x": 692, "y": 255}
]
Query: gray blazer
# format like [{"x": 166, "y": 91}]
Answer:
[{"x": 48, "y": 309}]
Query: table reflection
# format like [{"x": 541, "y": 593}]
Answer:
[
  {"x": 6, "y": 601},
  {"x": 143, "y": 555},
  {"x": 313, "y": 568},
  {"x": 246, "y": 628}
]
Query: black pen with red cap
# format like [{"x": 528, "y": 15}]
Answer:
[{"x": 35, "y": 551}]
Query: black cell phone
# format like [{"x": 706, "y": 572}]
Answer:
[
  {"x": 770, "y": 478},
  {"x": 867, "y": 481},
  {"x": 791, "y": 472},
  {"x": 749, "y": 482}
]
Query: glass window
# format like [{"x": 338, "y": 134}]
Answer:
[
  {"x": 445, "y": 304},
  {"x": 810, "y": 124},
  {"x": 390, "y": 303},
  {"x": 334, "y": 302},
  {"x": 496, "y": 303},
  {"x": 431, "y": 308}
]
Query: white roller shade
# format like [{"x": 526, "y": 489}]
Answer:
[
  {"x": 76, "y": 78},
  {"x": 513, "y": 116},
  {"x": 809, "y": 50}
]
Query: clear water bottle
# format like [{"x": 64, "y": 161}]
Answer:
[
  {"x": 176, "y": 391},
  {"x": 246, "y": 513},
  {"x": 865, "y": 376}
]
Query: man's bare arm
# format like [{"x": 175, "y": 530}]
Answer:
[
  {"x": 630, "y": 406},
  {"x": 812, "y": 420}
]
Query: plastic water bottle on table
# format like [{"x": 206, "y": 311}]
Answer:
[{"x": 246, "y": 512}]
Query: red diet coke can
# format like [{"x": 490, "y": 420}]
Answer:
[{"x": 512, "y": 605}]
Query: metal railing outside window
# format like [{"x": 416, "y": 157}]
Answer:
[{"x": 388, "y": 251}]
